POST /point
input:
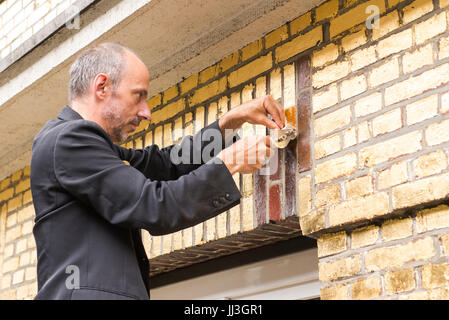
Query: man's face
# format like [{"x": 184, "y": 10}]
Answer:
[{"x": 127, "y": 106}]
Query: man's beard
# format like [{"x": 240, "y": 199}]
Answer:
[{"x": 116, "y": 125}]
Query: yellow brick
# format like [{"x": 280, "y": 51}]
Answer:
[
  {"x": 299, "y": 44},
  {"x": 352, "y": 87},
  {"x": 327, "y": 195},
  {"x": 187, "y": 237},
  {"x": 199, "y": 118},
  {"x": 325, "y": 99},
  {"x": 362, "y": 58},
  {"x": 208, "y": 91},
  {"x": 415, "y": 85},
  {"x": 387, "y": 122},
  {"x": 27, "y": 197},
  {"x": 422, "y": 109},
  {"x": 359, "y": 187},
  {"x": 339, "y": 268},
  {"x": 276, "y": 36},
  {"x": 154, "y": 101},
  {"x": 330, "y": 74},
  {"x": 15, "y": 203},
  {"x": 250, "y": 70},
  {"x": 170, "y": 93},
  {"x": 300, "y": 23},
  {"x": 359, "y": 209},
  {"x": 289, "y": 86},
  {"x": 431, "y": 219},
  {"x": 26, "y": 171},
  {"x": 212, "y": 112},
  {"x": 304, "y": 195},
  {"x": 364, "y": 131},
  {"x": 438, "y": 294},
  {"x": 368, "y": 104},
  {"x": 349, "y": 137},
  {"x": 437, "y": 133},
  {"x": 209, "y": 73},
  {"x": 166, "y": 244},
  {"x": 276, "y": 83},
  {"x": 188, "y": 124},
  {"x": 418, "y": 58},
  {"x": 443, "y": 48},
  {"x": 398, "y": 255},
  {"x": 252, "y": 49},
  {"x": 261, "y": 87},
  {"x": 366, "y": 289},
  {"x": 327, "y": 146},
  {"x": 400, "y": 281},
  {"x": 229, "y": 61},
  {"x": 221, "y": 225},
  {"x": 435, "y": 275},
  {"x": 392, "y": 176},
  {"x": 365, "y": 236},
  {"x": 158, "y": 136},
  {"x": 354, "y": 17},
  {"x": 5, "y": 183},
  {"x": 444, "y": 3},
  {"x": 330, "y": 244},
  {"x": 390, "y": 149},
  {"x": 11, "y": 220},
  {"x": 335, "y": 168},
  {"x": 332, "y": 121},
  {"x": 177, "y": 130},
  {"x": 328, "y": 54},
  {"x": 384, "y": 73},
  {"x": 312, "y": 222},
  {"x": 429, "y": 164},
  {"x": 222, "y": 106},
  {"x": 394, "y": 43},
  {"x": 25, "y": 213},
  {"x": 430, "y": 28},
  {"x": 248, "y": 221},
  {"x": 444, "y": 239},
  {"x": 235, "y": 99},
  {"x": 354, "y": 40},
  {"x": 22, "y": 186},
  {"x": 416, "y": 9},
  {"x": 6, "y": 194},
  {"x": 247, "y": 93},
  {"x": 327, "y": 10},
  {"x": 397, "y": 229},
  {"x": 189, "y": 83},
  {"x": 210, "y": 229},
  {"x": 168, "y": 111},
  {"x": 16, "y": 176},
  {"x": 421, "y": 191},
  {"x": 387, "y": 24},
  {"x": 337, "y": 292},
  {"x": 234, "y": 220}
]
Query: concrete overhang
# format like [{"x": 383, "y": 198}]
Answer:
[{"x": 175, "y": 38}]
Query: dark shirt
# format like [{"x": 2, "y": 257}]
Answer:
[{"x": 90, "y": 206}]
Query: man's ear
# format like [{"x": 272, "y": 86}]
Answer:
[{"x": 101, "y": 85}]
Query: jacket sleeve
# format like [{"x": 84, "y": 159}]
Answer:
[
  {"x": 87, "y": 166},
  {"x": 177, "y": 160}
]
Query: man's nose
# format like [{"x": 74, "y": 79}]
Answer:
[{"x": 144, "y": 112}]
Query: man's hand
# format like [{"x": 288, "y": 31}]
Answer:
[
  {"x": 255, "y": 112},
  {"x": 247, "y": 155}
]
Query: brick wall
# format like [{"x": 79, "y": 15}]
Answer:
[
  {"x": 21, "y": 19},
  {"x": 375, "y": 197},
  {"x": 367, "y": 177}
]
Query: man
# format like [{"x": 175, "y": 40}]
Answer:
[{"x": 90, "y": 206}]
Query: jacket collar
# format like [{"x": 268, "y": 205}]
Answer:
[{"x": 68, "y": 114}]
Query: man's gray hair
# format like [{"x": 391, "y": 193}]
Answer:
[{"x": 107, "y": 58}]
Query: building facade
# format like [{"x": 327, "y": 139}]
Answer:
[{"x": 367, "y": 177}]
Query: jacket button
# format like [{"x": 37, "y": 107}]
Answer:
[
  {"x": 223, "y": 200},
  {"x": 215, "y": 203},
  {"x": 228, "y": 197}
]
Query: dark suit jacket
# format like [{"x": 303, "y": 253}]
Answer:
[{"x": 90, "y": 207}]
